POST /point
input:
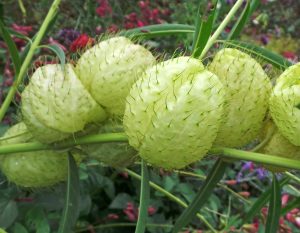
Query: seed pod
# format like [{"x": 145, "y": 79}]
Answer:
[
  {"x": 108, "y": 70},
  {"x": 247, "y": 90},
  {"x": 112, "y": 154},
  {"x": 278, "y": 145},
  {"x": 173, "y": 113},
  {"x": 55, "y": 104},
  {"x": 32, "y": 169},
  {"x": 285, "y": 104}
]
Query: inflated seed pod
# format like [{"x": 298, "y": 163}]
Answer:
[
  {"x": 118, "y": 154},
  {"x": 285, "y": 104},
  {"x": 173, "y": 113},
  {"x": 247, "y": 90},
  {"x": 32, "y": 169},
  {"x": 108, "y": 70},
  {"x": 55, "y": 104},
  {"x": 278, "y": 145}
]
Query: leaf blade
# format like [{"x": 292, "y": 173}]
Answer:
[
  {"x": 144, "y": 200},
  {"x": 203, "y": 194},
  {"x": 12, "y": 48},
  {"x": 58, "y": 51},
  {"x": 71, "y": 207},
  {"x": 272, "y": 223}
]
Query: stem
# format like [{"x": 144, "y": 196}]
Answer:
[
  {"x": 22, "y": 8},
  {"x": 257, "y": 157},
  {"x": 171, "y": 197},
  {"x": 13, "y": 89},
  {"x": 293, "y": 177},
  {"x": 219, "y": 30}
]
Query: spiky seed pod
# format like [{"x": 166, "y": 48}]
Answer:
[
  {"x": 278, "y": 145},
  {"x": 285, "y": 104},
  {"x": 109, "y": 69},
  {"x": 247, "y": 90},
  {"x": 55, "y": 104},
  {"x": 113, "y": 154},
  {"x": 173, "y": 113},
  {"x": 32, "y": 169}
]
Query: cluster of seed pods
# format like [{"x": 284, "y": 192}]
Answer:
[{"x": 172, "y": 111}]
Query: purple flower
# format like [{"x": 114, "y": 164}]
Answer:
[{"x": 67, "y": 36}]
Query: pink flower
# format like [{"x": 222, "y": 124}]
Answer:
[
  {"x": 113, "y": 28},
  {"x": 81, "y": 42},
  {"x": 131, "y": 212},
  {"x": 113, "y": 216},
  {"x": 22, "y": 29},
  {"x": 284, "y": 199},
  {"x": 104, "y": 8},
  {"x": 151, "y": 210}
]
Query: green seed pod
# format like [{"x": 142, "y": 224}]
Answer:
[
  {"x": 108, "y": 70},
  {"x": 113, "y": 154},
  {"x": 32, "y": 169},
  {"x": 278, "y": 145},
  {"x": 285, "y": 104},
  {"x": 55, "y": 104},
  {"x": 247, "y": 89},
  {"x": 173, "y": 113}
]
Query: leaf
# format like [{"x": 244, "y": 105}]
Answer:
[
  {"x": 202, "y": 196},
  {"x": 275, "y": 59},
  {"x": 144, "y": 200},
  {"x": 72, "y": 201},
  {"x": 274, "y": 207},
  {"x": 203, "y": 30},
  {"x": 291, "y": 205},
  {"x": 8, "y": 212},
  {"x": 244, "y": 17},
  {"x": 12, "y": 48},
  {"x": 19, "y": 228},
  {"x": 262, "y": 200},
  {"x": 36, "y": 218},
  {"x": 58, "y": 51},
  {"x": 158, "y": 30}
]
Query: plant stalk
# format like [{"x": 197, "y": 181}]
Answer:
[
  {"x": 222, "y": 26},
  {"x": 13, "y": 89}
]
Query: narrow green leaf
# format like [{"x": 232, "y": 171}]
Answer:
[
  {"x": 291, "y": 205},
  {"x": 262, "y": 53},
  {"x": 72, "y": 201},
  {"x": 274, "y": 207},
  {"x": 203, "y": 194},
  {"x": 203, "y": 31},
  {"x": 262, "y": 201},
  {"x": 12, "y": 48},
  {"x": 144, "y": 200},
  {"x": 58, "y": 51},
  {"x": 28, "y": 45},
  {"x": 158, "y": 30},
  {"x": 243, "y": 19}
]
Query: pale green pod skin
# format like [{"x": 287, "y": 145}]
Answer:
[
  {"x": 108, "y": 70},
  {"x": 173, "y": 113},
  {"x": 118, "y": 154},
  {"x": 55, "y": 104},
  {"x": 280, "y": 146},
  {"x": 32, "y": 169},
  {"x": 285, "y": 104},
  {"x": 247, "y": 90}
]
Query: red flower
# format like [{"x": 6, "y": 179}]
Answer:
[
  {"x": 22, "y": 29},
  {"x": 81, "y": 42},
  {"x": 112, "y": 216},
  {"x": 151, "y": 210},
  {"x": 131, "y": 212},
  {"x": 104, "y": 8}
]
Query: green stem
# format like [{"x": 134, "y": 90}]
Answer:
[
  {"x": 219, "y": 30},
  {"x": 12, "y": 91},
  {"x": 293, "y": 177},
  {"x": 257, "y": 157},
  {"x": 22, "y": 8},
  {"x": 171, "y": 197}
]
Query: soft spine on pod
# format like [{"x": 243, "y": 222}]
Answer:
[
  {"x": 108, "y": 70},
  {"x": 285, "y": 104},
  {"x": 32, "y": 169},
  {"x": 173, "y": 112},
  {"x": 247, "y": 90},
  {"x": 55, "y": 104}
]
